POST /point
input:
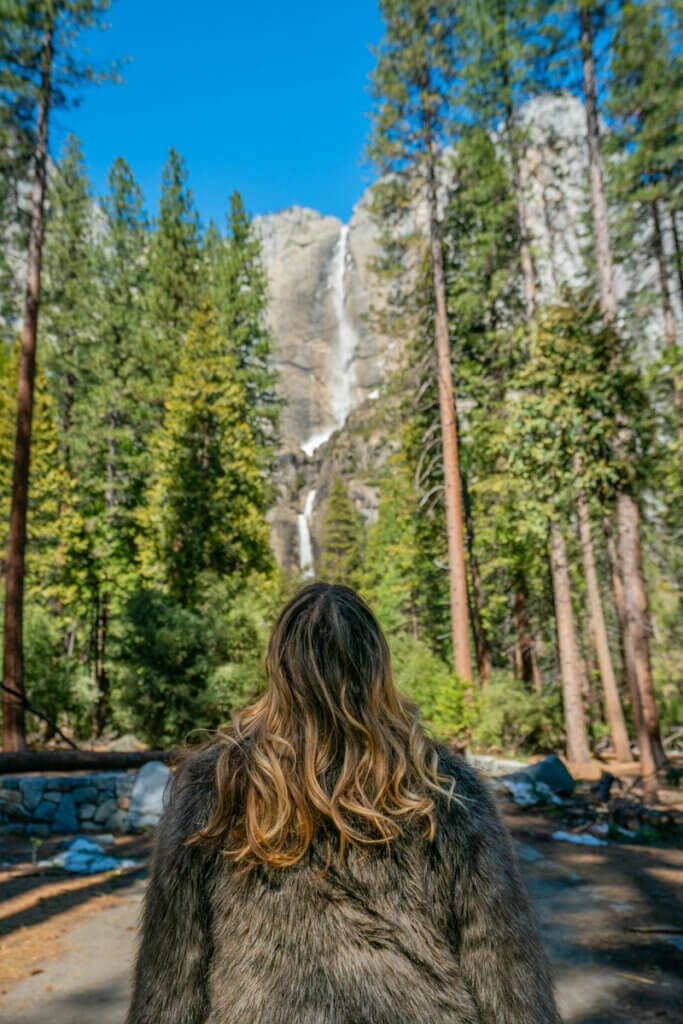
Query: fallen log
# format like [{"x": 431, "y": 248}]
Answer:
[{"x": 26, "y": 761}]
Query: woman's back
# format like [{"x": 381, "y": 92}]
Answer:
[
  {"x": 439, "y": 932},
  {"x": 323, "y": 862}
]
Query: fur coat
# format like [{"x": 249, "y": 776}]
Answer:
[{"x": 440, "y": 932}]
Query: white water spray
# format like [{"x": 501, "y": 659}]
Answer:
[
  {"x": 340, "y": 374},
  {"x": 305, "y": 546}
]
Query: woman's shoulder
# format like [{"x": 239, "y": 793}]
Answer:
[{"x": 471, "y": 812}]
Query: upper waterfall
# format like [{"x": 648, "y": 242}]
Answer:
[{"x": 340, "y": 370}]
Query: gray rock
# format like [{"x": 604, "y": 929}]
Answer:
[
  {"x": 13, "y": 830},
  {"x": 147, "y": 800},
  {"x": 10, "y": 783},
  {"x": 86, "y": 811},
  {"x": 105, "y": 780},
  {"x": 59, "y": 785},
  {"x": 125, "y": 783},
  {"x": 42, "y": 831},
  {"x": 105, "y": 810},
  {"x": 13, "y": 795},
  {"x": 14, "y": 811},
  {"x": 54, "y": 797},
  {"x": 65, "y": 820},
  {"x": 45, "y": 811},
  {"x": 89, "y": 826},
  {"x": 32, "y": 792},
  {"x": 553, "y": 773},
  {"x": 117, "y": 821},
  {"x": 85, "y": 794}
]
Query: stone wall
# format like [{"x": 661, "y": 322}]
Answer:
[{"x": 97, "y": 802}]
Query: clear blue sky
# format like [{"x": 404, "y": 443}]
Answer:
[{"x": 269, "y": 97}]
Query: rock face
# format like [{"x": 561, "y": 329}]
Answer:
[{"x": 332, "y": 358}]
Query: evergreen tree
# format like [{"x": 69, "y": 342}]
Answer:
[
  {"x": 238, "y": 288},
  {"x": 70, "y": 292},
  {"x": 391, "y": 577},
  {"x": 413, "y": 86},
  {"x": 207, "y": 502},
  {"x": 175, "y": 265},
  {"x": 38, "y": 67},
  {"x": 341, "y": 544},
  {"x": 646, "y": 91}
]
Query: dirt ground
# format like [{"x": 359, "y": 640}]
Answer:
[{"x": 610, "y": 917}]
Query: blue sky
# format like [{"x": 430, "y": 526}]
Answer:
[{"x": 270, "y": 98}]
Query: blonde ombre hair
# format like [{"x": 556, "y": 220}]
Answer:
[{"x": 330, "y": 741}]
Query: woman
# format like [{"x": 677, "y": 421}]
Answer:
[{"x": 323, "y": 862}]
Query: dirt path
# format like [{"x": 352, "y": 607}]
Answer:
[{"x": 608, "y": 915}]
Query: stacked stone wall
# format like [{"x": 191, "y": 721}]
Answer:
[{"x": 96, "y": 802}]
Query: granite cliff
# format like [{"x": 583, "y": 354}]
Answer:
[{"x": 332, "y": 362}]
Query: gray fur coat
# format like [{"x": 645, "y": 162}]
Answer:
[{"x": 439, "y": 933}]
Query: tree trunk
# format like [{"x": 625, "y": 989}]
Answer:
[
  {"x": 636, "y": 638},
  {"x": 528, "y": 669},
  {"x": 454, "y": 526},
  {"x": 603, "y": 246},
  {"x": 482, "y": 650},
  {"x": 13, "y": 724},
  {"x": 636, "y": 641},
  {"x": 669, "y": 322},
  {"x": 677, "y": 249},
  {"x": 575, "y": 726},
  {"x": 613, "y": 707}
]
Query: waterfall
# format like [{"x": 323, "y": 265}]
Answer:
[
  {"x": 340, "y": 384},
  {"x": 340, "y": 375},
  {"x": 305, "y": 546}
]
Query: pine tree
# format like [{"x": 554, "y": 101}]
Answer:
[
  {"x": 69, "y": 289},
  {"x": 413, "y": 86},
  {"x": 341, "y": 544},
  {"x": 207, "y": 500},
  {"x": 646, "y": 91},
  {"x": 175, "y": 265},
  {"x": 242, "y": 301},
  {"x": 391, "y": 576},
  {"x": 39, "y": 65}
]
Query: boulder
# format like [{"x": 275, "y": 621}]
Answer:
[
  {"x": 553, "y": 773},
  {"x": 65, "y": 820},
  {"x": 45, "y": 811},
  {"x": 32, "y": 792},
  {"x": 105, "y": 810},
  {"x": 14, "y": 811},
  {"x": 86, "y": 811},
  {"x": 85, "y": 794},
  {"x": 147, "y": 799}
]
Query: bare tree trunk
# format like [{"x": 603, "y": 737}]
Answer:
[
  {"x": 669, "y": 322},
  {"x": 677, "y": 248},
  {"x": 636, "y": 640},
  {"x": 613, "y": 707},
  {"x": 528, "y": 669},
  {"x": 577, "y": 744},
  {"x": 635, "y": 614},
  {"x": 482, "y": 649},
  {"x": 454, "y": 525},
  {"x": 13, "y": 724}
]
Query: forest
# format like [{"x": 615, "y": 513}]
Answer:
[{"x": 525, "y": 560}]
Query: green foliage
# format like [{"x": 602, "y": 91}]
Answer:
[
  {"x": 341, "y": 544},
  {"x": 163, "y": 668},
  {"x": 180, "y": 670},
  {"x": 238, "y": 291},
  {"x": 175, "y": 265},
  {"x": 55, "y": 683},
  {"x": 208, "y": 496}
]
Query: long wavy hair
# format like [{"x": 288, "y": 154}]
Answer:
[{"x": 331, "y": 741}]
